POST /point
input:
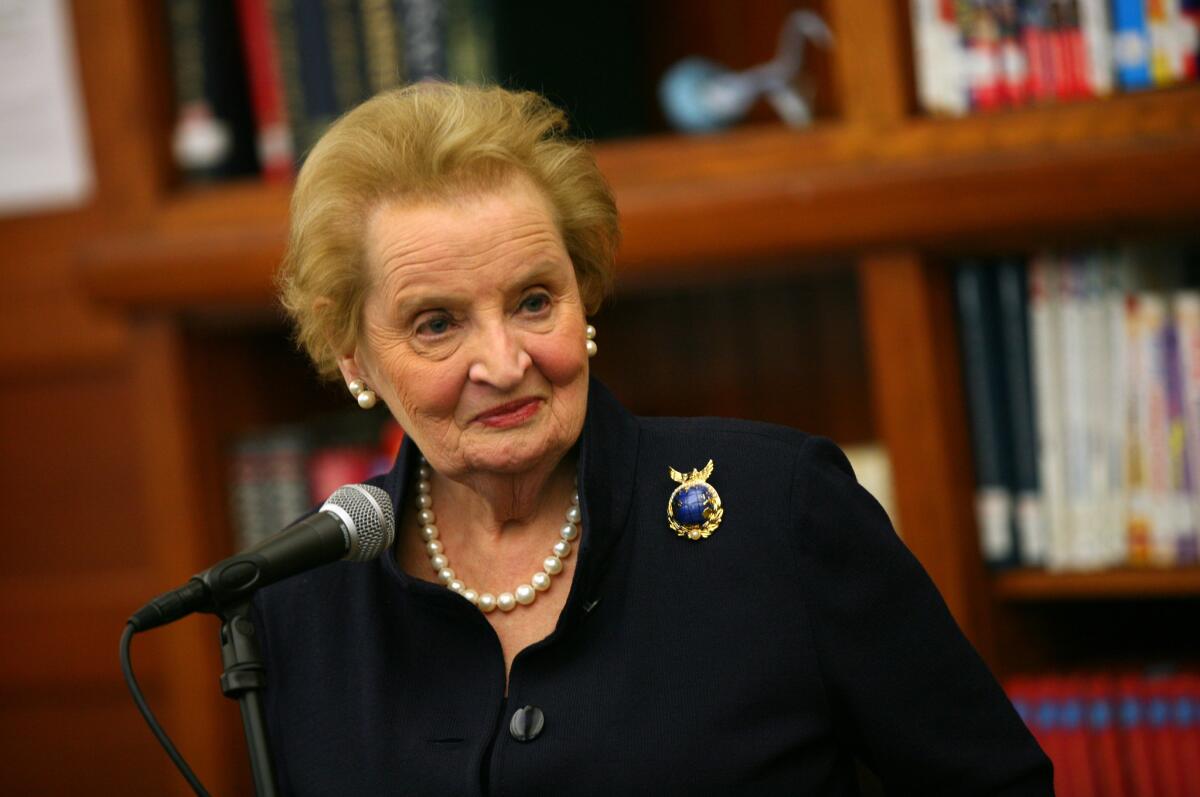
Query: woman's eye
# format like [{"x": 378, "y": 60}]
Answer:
[
  {"x": 435, "y": 325},
  {"x": 535, "y": 302}
]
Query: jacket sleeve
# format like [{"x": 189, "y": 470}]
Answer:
[{"x": 908, "y": 692}]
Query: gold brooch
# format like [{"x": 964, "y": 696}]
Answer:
[{"x": 694, "y": 509}]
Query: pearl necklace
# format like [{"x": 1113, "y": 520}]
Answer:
[{"x": 524, "y": 594}]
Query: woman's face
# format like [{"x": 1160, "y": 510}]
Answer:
[{"x": 474, "y": 331}]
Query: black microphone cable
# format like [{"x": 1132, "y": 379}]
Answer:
[{"x": 148, "y": 715}]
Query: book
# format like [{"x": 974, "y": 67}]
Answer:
[
  {"x": 1151, "y": 497},
  {"x": 1179, "y": 515},
  {"x": 991, "y": 435},
  {"x": 1097, "y": 38},
  {"x": 273, "y": 133},
  {"x": 1187, "y": 326},
  {"x": 1013, "y": 292},
  {"x": 383, "y": 45},
  {"x": 213, "y": 136},
  {"x": 1045, "y": 341},
  {"x": 1131, "y": 44},
  {"x": 1036, "y": 38},
  {"x": 981, "y": 38},
  {"x": 939, "y": 56}
]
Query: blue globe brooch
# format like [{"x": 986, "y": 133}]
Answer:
[{"x": 694, "y": 509}]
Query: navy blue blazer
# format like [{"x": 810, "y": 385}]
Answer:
[{"x": 764, "y": 660}]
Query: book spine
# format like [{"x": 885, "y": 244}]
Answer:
[
  {"x": 984, "y": 69},
  {"x": 983, "y": 371},
  {"x": 1179, "y": 505},
  {"x": 1094, "y": 22},
  {"x": 923, "y": 15},
  {"x": 214, "y": 133},
  {"x": 470, "y": 33},
  {"x": 1045, "y": 335},
  {"x": 1101, "y": 500},
  {"x": 381, "y": 43},
  {"x": 1162, "y": 49},
  {"x": 1014, "y": 315},
  {"x": 1187, "y": 720},
  {"x": 1138, "y": 755},
  {"x": 1035, "y": 38},
  {"x": 424, "y": 26},
  {"x": 1104, "y": 746},
  {"x": 1153, "y": 428},
  {"x": 1077, "y": 53},
  {"x": 1131, "y": 44},
  {"x": 1076, "y": 409},
  {"x": 1189, "y": 36},
  {"x": 1060, "y": 51},
  {"x": 283, "y": 21},
  {"x": 276, "y": 152},
  {"x": 1014, "y": 66},
  {"x": 1187, "y": 324},
  {"x": 347, "y": 53},
  {"x": 1117, "y": 425},
  {"x": 316, "y": 67}
]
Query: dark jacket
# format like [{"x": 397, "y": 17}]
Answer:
[{"x": 763, "y": 660}]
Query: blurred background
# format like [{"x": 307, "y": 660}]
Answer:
[{"x": 972, "y": 262}]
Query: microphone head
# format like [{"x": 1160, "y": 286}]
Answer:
[{"x": 367, "y": 514}]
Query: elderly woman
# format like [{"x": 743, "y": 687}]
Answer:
[{"x": 580, "y": 601}]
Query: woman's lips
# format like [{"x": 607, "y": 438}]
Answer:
[{"x": 513, "y": 413}]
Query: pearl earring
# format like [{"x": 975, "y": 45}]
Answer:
[
  {"x": 591, "y": 341},
  {"x": 363, "y": 394}
]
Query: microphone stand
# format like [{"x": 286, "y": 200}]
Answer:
[{"x": 243, "y": 680}]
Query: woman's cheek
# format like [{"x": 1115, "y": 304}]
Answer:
[{"x": 559, "y": 358}]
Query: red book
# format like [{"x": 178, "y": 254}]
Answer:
[
  {"x": 1060, "y": 51},
  {"x": 1079, "y": 777},
  {"x": 1187, "y": 721},
  {"x": 1137, "y": 744},
  {"x": 1035, "y": 41},
  {"x": 1165, "y": 744},
  {"x": 330, "y": 468},
  {"x": 1104, "y": 745},
  {"x": 1079, "y": 86},
  {"x": 276, "y": 153}
]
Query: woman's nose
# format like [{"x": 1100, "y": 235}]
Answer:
[{"x": 500, "y": 360}]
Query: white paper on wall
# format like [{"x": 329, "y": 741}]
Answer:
[{"x": 44, "y": 157}]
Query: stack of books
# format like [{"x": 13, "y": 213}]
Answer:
[
  {"x": 1115, "y": 734},
  {"x": 980, "y": 55},
  {"x": 280, "y": 473},
  {"x": 270, "y": 75},
  {"x": 1082, "y": 378}
]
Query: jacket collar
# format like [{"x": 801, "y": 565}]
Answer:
[{"x": 607, "y": 453}]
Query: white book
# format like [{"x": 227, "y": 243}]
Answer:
[
  {"x": 1083, "y": 549},
  {"x": 1118, "y": 286},
  {"x": 1187, "y": 324},
  {"x": 1152, "y": 495},
  {"x": 1097, "y": 38},
  {"x": 940, "y": 58},
  {"x": 1044, "y": 323},
  {"x": 1097, "y": 546}
]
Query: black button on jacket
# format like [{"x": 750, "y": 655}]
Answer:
[{"x": 763, "y": 660}]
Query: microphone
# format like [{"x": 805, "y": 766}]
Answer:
[{"x": 356, "y": 523}]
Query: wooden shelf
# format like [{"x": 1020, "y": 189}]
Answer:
[
  {"x": 1039, "y": 585},
  {"x": 763, "y": 192}
]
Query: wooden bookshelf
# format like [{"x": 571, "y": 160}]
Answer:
[
  {"x": 1123, "y": 583},
  {"x": 763, "y": 192}
]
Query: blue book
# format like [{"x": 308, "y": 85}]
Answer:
[
  {"x": 976, "y": 291},
  {"x": 1013, "y": 292},
  {"x": 1131, "y": 44}
]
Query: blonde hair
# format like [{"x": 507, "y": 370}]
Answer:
[{"x": 430, "y": 142}]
